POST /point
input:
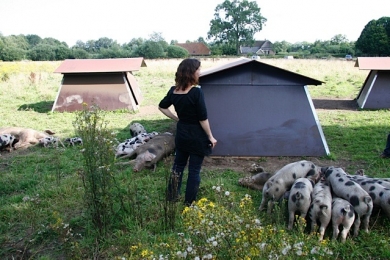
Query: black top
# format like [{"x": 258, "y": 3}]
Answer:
[{"x": 190, "y": 109}]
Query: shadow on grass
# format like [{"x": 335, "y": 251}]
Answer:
[{"x": 40, "y": 107}]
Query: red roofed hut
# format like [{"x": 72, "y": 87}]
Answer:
[
  {"x": 256, "y": 109},
  {"x": 375, "y": 92},
  {"x": 109, "y": 83},
  {"x": 195, "y": 48}
]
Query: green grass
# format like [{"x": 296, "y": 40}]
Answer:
[{"x": 42, "y": 208}]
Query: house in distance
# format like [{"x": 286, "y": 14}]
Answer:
[
  {"x": 196, "y": 48},
  {"x": 108, "y": 83}
]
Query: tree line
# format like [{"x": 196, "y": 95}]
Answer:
[{"x": 234, "y": 24}]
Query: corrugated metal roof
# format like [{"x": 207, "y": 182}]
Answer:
[
  {"x": 100, "y": 65},
  {"x": 241, "y": 61},
  {"x": 373, "y": 63}
]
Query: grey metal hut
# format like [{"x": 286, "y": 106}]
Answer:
[
  {"x": 256, "y": 109},
  {"x": 375, "y": 92},
  {"x": 108, "y": 83}
]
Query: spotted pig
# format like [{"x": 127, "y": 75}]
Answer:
[
  {"x": 380, "y": 194},
  {"x": 349, "y": 190},
  {"x": 299, "y": 199},
  {"x": 342, "y": 214},
  {"x": 7, "y": 141},
  {"x": 320, "y": 210},
  {"x": 136, "y": 129},
  {"x": 73, "y": 141},
  {"x": 283, "y": 179}
]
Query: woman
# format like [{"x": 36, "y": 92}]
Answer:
[
  {"x": 386, "y": 151},
  {"x": 194, "y": 139}
]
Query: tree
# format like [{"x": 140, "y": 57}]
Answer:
[
  {"x": 375, "y": 38},
  {"x": 176, "y": 52},
  {"x": 236, "y": 21}
]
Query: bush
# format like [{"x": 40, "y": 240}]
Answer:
[{"x": 176, "y": 52}]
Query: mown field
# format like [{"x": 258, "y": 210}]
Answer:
[{"x": 44, "y": 209}]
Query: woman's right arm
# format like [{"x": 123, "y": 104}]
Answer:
[{"x": 168, "y": 113}]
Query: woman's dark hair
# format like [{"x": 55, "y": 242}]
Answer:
[{"x": 185, "y": 74}]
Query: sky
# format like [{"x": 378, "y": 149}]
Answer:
[{"x": 122, "y": 20}]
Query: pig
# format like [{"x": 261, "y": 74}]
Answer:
[
  {"x": 342, "y": 214},
  {"x": 50, "y": 141},
  {"x": 320, "y": 210},
  {"x": 7, "y": 141},
  {"x": 125, "y": 149},
  {"x": 73, "y": 141},
  {"x": 283, "y": 179},
  {"x": 349, "y": 190},
  {"x": 136, "y": 129},
  {"x": 380, "y": 194},
  {"x": 382, "y": 181},
  {"x": 255, "y": 181},
  {"x": 153, "y": 151},
  {"x": 299, "y": 199}
]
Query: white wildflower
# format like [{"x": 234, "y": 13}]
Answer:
[
  {"x": 211, "y": 223},
  {"x": 215, "y": 243},
  {"x": 314, "y": 250},
  {"x": 218, "y": 188},
  {"x": 227, "y": 193},
  {"x": 299, "y": 252},
  {"x": 286, "y": 249},
  {"x": 189, "y": 249},
  {"x": 196, "y": 258}
]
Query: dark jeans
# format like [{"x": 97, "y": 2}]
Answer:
[
  {"x": 386, "y": 151},
  {"x": 193, "y": 180}
]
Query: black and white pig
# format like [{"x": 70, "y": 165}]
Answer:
[
  {"x": 73, "y": 141},
  {"x": 283, "y": 179},
  {"x": 136, "y": 129},
  {"x": 299, "y": 199},
  {"x": 50, "y": 141},
  {"x": 342, "y": 214},
  {"x": 125, "y": 150},
  {"x": 7, "y": 141},
  {"x": 351, "y": 191},
  {"x": 380, "y": 194},
  {"x": 320, "y": 210}
]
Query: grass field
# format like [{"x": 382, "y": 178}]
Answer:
[{"x": 44, "y": 207}]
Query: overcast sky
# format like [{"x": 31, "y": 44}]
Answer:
[{"x": 181, "y": 20}]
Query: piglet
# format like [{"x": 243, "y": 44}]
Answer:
[
  {"x": 283, "y": 179},
  {"x": 321, "y": 207},
  {"x": 299, "y": 199},
  {"x": 351, "y": 191},
  {"x": 342, "y": 214}
]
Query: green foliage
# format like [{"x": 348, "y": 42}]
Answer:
[
  {"x": 151, "y": 50},
  {"x": 97, "y": 175},
  {"x": 176, "y": 52},
  {"x": 236, "y": 22},
  {"x": 375, "y": 38},
  {"x": 42, "y": 191}
]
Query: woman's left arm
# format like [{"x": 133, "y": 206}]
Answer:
[{"x": 206, "y": 127}]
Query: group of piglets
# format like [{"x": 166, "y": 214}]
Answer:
[
  {"x": 147, "y": 148},
  {"x": 323, "y": 195}
]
